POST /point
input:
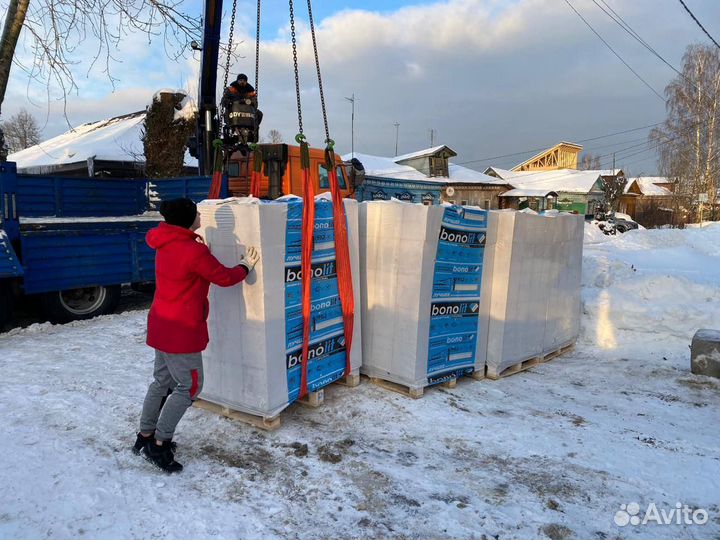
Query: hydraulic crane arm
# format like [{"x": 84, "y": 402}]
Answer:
[{"x": 207, "y": 129}]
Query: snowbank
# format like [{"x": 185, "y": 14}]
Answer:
[{"x": 663, "y": 283}]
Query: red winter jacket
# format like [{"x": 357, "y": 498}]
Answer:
[{"x": 184, "y": 269}]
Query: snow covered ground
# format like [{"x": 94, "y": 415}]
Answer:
[{"x": 550, "y": 452}]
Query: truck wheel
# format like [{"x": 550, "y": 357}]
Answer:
[
  {"x": 82, "y": 303},
  {"x": 6, "y": 302}
]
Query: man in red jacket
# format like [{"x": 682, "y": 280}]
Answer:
[{"x": 177, "y": 324}]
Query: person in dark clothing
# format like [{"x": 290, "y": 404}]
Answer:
[{"x": 241, "y": 89}]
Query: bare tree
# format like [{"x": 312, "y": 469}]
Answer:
[
  {"x": 589, "y": 162},
  {"x": 21, "y": 131},
  {"x": 689, "y": 140},
  {"x": 614, "y": 187},
  {"x": 58, "y": 31},
  {"x": 275, "y": 136}
]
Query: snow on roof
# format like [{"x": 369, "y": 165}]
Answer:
[
  {"x": 422, "y": 153},
  {"x": 648, "y": 185},
  {"x": 384, "y": 167},
  {"x": 520, "y": 192},
  {"x": 560, "y": 180},
  {"x": 113, "y": 139}
]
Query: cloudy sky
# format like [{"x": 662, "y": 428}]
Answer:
[{"x": 490, "y": 77}]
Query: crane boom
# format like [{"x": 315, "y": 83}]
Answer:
[{"x": 207, "y": 128}]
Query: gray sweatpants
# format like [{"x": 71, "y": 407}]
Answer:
[{"x": 181, "y": 373}]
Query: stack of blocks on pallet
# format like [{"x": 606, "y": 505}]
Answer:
[
  {"x": 253, "y": 361},
  {"x": 420, "y": 282},
  {"x": 450, "y": 291},
  {"x": 531, "y": 289}
]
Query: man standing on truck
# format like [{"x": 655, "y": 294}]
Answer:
[
  {"x": 177, "y": 324},
  {"x": 241, "y": 89}
]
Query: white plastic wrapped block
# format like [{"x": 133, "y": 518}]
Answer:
[
  {"x": 252, "y": 363},
  {"x": 531, "y": 286},
  {"x": 421, "y": 272}
]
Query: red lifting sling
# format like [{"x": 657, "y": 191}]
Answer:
[
  {"x": 308, "y": 228},
  {"x": 342, "y": 256}
]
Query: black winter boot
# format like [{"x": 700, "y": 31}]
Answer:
[
  {"x": 162, "y": 456},
  {"x": 141, "y": 441}
]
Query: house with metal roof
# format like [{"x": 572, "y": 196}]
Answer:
[
  {"x": 107, "y": 148},
  {"x": 649, "y": 200},
  {"x": 567, "y": 190},
  {"x": 426, "y": 176}
]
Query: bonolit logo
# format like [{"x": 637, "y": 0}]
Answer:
[{"x": 681, "y": 514}]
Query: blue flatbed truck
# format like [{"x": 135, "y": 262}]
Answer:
[{"x": 73, "y": 242}]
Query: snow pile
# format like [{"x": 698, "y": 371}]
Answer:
[
  {"x": 663, "y": 283},
  {"x": 593, "y": 234},
  {"x": 188, "y": 109}
]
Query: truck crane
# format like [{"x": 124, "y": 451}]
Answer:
[{"x": 220, "y": 150}]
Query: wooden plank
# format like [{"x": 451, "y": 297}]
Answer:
[
  {"x": 351, "y": 380},
  {"x": 478, "y": 374},
  {"x": 452, "y": 383},
  {"x": 559, "y": 352},
  {"x": 492, "y": 373},
  {"x": 260, "y": 422},
  {"x": 412, "y": 392},
  {"x": 313, "y": 399}
]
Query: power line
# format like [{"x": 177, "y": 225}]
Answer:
[
  {"x": 698, "y": 23},
  {"x": 613, "y": 51},
  {"x": 546, "y": 147},
  {"x": 615, "y": 16}
]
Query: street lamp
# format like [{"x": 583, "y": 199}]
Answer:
[
  {"x": 397, "y": 130},
  {"x": 352, "y": 125}
]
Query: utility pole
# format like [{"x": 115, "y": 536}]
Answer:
[
  {"x": 352, "y": 125},
  {"x": 397, "y": 131},
  {"x": 432, "y": 137}
]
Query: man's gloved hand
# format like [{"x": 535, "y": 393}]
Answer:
[{"x": 252, "y": 256}]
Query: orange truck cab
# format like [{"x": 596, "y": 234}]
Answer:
[{"x": 283, "y": 160}]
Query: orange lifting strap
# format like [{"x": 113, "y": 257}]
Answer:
[
  {"x": 308, "y": 229},
  {"x": 256, "y": 173}
]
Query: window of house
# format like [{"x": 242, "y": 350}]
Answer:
[
  {"x": 438, "y": 166},
  {"x": 487, "y": 205},
  {"x": 464, "y": 203},
  {"x": 233, "y": 169},
  {"x": 325, "y": 182}
]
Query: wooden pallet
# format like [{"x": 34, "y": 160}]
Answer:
[
  {"x": 261, "y": 422},
  {"x": 491, "y": 372},
  {"x": 417, "y": 392},
  {"x": 313, "y": 399},
  {"x": 411, "y": 391},
  {"x": 558, "y": 352},
  {"x": 350, "y": 381}
]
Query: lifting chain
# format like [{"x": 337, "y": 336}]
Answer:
[
  {"x": 229, "y": 54},
  {"x": 317, "y": 66},
  {"x": 257, "y": 54},
  {"x": 295, "y": 66}
]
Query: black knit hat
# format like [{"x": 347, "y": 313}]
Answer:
[
  {"x": 242, "y": 76},
  {"x": 180, "y": 212}
]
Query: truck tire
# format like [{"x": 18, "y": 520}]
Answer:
[
  {"x": 79, "y": 304},
  {"x": 7, "y": 301}
]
